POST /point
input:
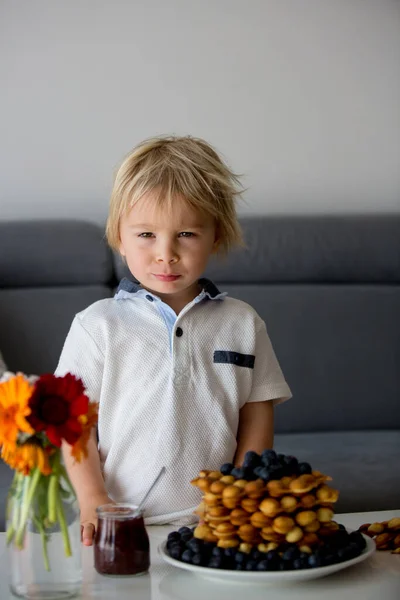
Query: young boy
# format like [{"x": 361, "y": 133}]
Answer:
[{"x": 185, "y": 376}]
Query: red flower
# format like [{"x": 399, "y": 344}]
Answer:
[{"x": 56, "y": 405}]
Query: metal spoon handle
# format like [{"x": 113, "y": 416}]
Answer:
[{"x": 147, "y": 494}]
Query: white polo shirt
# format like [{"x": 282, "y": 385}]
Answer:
[{"x": 169, "y": 388}]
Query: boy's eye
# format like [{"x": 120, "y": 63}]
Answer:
[
  {"x": 186, "y": 234},
  {"x": 146, "y": 234}
]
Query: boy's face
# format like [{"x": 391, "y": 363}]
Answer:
[{"x": 167, "y": 251}]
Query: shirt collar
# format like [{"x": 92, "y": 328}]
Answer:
[{"x": 129, "y": 286}]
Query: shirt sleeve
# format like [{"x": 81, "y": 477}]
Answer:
[
  {"x": 268, "y": 380},
  {"x": 82, "y": 357}
]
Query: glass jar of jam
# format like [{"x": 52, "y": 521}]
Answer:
[{"x": 121, "y": 543}]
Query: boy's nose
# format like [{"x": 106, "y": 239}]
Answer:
[
  {"x": 167, "y": 255},
  {"x": 170, "y": 261}
]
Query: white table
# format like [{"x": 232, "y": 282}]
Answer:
[{"x": 377, "y": 578}]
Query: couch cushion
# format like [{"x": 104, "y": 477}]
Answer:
[
  {"x": 39, "y": 253},
  {"x": 34, "y": 323},
  {"x": 363, "y": 465}
]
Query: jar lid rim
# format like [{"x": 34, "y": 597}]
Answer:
[{"x": 119, "y": 510}]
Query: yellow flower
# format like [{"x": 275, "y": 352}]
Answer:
[
  {"x": 14, "y": 407},
  {"x": 26, "y": 457}
]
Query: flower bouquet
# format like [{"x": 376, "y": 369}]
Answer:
[{"x": 36, "y": 417}]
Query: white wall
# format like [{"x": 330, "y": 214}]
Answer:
[{"x": 302, "y": 96}]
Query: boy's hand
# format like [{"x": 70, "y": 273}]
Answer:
[{"x": 89, "y": 518}]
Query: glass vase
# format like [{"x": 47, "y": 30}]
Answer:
[{"x": 44, "y": 551}]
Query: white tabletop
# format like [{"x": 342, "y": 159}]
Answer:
[{"x": 376, "y": 578}]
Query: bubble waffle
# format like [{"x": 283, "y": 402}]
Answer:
[
  {"x": 293, "y": 509},
  {"x": 386, "y": 534}
]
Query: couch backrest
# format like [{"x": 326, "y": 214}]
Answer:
[{"x": 327, "y": 287}]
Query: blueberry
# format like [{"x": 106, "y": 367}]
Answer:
[
  {"x": 187, "y": 556},
  {"x": 197, "y": 559},
  {"x": 194, "y": 545},
  {"x": 230, "y": 552},
  {"x": 184, "y": 530},
  {"x": 239, "y": 566},
  {"x": 285, "y": 565},
  {"x": 274, "y": 560},
  {"x": 329, "y": 559},
  {"x": 269, "y": 453},
  {"x": 240, "y": 557},
  {"x": 291, "y": 460},
  {"x": 264, "y": 474},
  {"x": 304, "y": 468},
  {"x": 276, "y": 472},
  {"x": 172, "y": 543},
  {"x": 342, "y": 554},
  {"x": 226, "y": 468},
  {"x": 174, "y": 536},
  {"x": 357, "y": 538},
  {"x": 217, "y": 552},
  {"x": 269, "y": 457},
  {"x": 175, "y": 551},
  {"x": 304, "y": 556},
  {"x": 215, "y": 562},
  {"x": 300, "y": 563},
  {"x": 314, "y": 560},
  {"x": 258, "y": 470},
  {"x": 251, "y": 459},
  {"x": 186, "y": 537},
  {"x": 342, "y": 527},
  {"x": 251, "y": 565},
  {"x": 262, "y": 565},
  {"x": 257, "y": 555},
  {"x": 291, "y": 465},
  {"x": 291, "y": 553},
  {"x": 339, "y": 539},
  {"x": 208, "y": 547},
  {"x": 353, "y": 550},
  {"x": 238, "y": 472}
]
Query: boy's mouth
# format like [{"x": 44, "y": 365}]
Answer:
[{"x": 166, "y": 277}]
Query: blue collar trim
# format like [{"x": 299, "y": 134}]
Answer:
[{"x": 133, "y": 287}]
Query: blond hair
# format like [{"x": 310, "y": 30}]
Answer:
[{"x": 177, "y": 166}]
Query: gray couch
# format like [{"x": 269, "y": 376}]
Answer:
[{"x": 329, "y": 291}]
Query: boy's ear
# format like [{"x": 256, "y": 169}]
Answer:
[
  {"x": 216, "y": 245},
  {"x": 217, "y": 240}
]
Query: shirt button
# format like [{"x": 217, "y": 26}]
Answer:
[
  {"x": 149, "y": 298},
  {"x": 179, "y": 332}
]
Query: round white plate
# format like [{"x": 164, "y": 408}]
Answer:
[{"x": 268, "y": 576}]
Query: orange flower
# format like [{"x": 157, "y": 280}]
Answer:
[
  {"x": 14, "y": 398},
  {"x": 88, "y": 421},
  {"x": 26, "y": 457}
]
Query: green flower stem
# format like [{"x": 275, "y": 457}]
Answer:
[
  {"x": 40, "y": 528},
  {"x": 64, "y": 475},
  {"x": 28, "y": 496},
  {"x": 63, "y": 524},
  {"x": 52, "y": 498},
  {"x": 14, "y": 506}
]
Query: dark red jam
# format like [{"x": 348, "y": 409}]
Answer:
[{"x": 121, "y": 544}]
